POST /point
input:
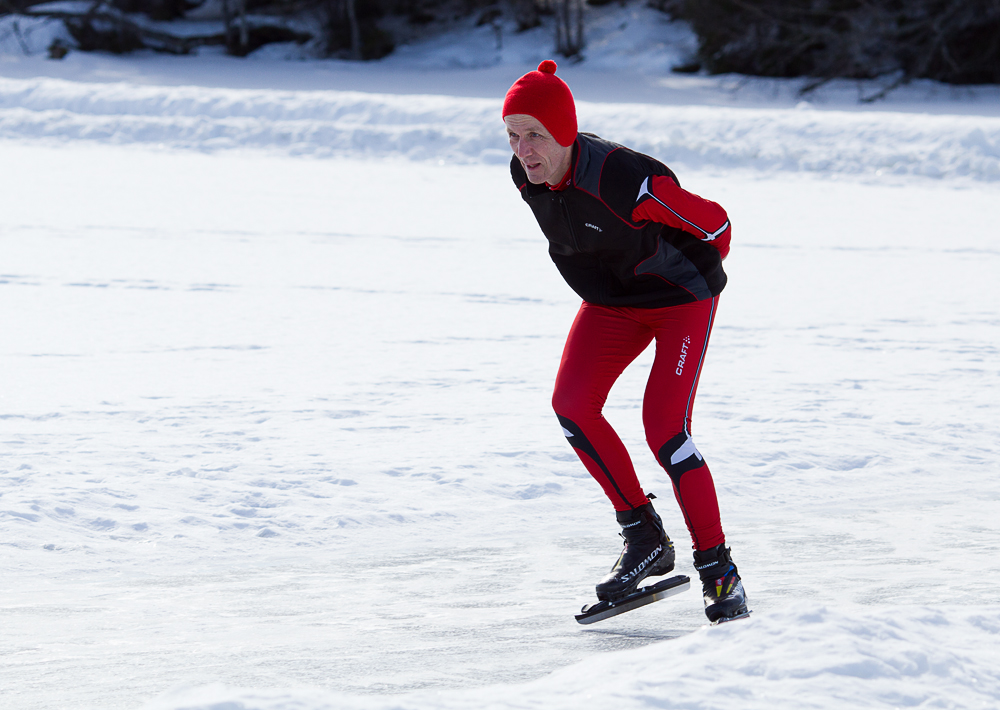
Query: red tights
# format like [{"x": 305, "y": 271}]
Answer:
[{"x": 601, "y": 344}]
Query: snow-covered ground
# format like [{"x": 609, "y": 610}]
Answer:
[{"x": 278, "y": 343}]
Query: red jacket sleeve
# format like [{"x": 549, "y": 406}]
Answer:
[{"x": 663, "y": 200}]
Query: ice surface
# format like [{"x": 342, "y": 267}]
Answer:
[
  {"x": 275, "y": 429},
  {"x": 810, "y": 659},
  {"x": 260, "y": 429}
]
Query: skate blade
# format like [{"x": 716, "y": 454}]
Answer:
[
  {"x": 734, "y": 617},
  {"x": 641, "y": 597}
]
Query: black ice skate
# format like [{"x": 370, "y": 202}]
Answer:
[
  {"x": 648, "y": 552},
  {"x": 725, "y": 599}
]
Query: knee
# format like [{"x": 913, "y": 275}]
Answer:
[{"x": 678, "y": 455}]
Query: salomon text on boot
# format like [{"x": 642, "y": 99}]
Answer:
[
  {"x": 648, "y": 552},
  {"x": 721, "y": 585}
]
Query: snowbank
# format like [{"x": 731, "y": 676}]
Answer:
[
  {"x": 915, "y": 657},
  {"x": 464, "y": 130}
]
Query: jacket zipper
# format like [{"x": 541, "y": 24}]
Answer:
[
  {"x": 569, "y": 223},
  {"x": 602, "y": 288}
]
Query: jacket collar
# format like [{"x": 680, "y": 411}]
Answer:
[{"x": 567, "y": 179}]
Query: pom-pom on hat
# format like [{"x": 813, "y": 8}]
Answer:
[{"x": 544, "y": 96}]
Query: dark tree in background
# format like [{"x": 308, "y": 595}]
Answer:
[
  {"x": 569, "y": 27},
  {"x": 526, "y": 13},
  {"x": 157, "y": 9},
  {"x": 955, "y": 41},
  {"x": 352, "y": 28}
]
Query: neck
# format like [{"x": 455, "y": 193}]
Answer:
[{"x": 565, "y": 165}]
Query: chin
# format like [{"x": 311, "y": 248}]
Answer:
[{"x": 537, "y": 177}]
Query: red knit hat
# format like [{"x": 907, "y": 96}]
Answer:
[{"x": 545, "y": 97}]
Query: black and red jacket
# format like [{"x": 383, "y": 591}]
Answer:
[{"x": 624, "y": 233}]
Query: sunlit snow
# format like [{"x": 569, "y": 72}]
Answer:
[{"x": 276, "y": 358}]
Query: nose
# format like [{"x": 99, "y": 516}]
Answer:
[{"x": 521, "y": 149}]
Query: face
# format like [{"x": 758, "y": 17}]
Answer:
[{"x": 542, "y": 158}]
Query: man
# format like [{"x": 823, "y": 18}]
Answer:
[{"x": 646, "y": 258}]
